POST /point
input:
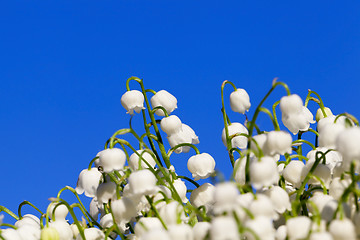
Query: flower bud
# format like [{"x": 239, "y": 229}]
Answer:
[
  {"x": 292, "y": 172},
  {"x": 203, "y": 196},
  {"x": 298, "y": 227},
  {"x": 319, "y": 114},
  {"x": 142, "y": 182},
  {"x": 135, "y": 159},
  {"x": 278, "y": 142},
  {"x": 49, "y": 233},
  {"x": 88, "y": 182},
  {"x": 263, "y": 173},
  {"x": 342, "y": 229},
  {"x": 240, "y": 101},
  {"x": 238, "y": 141},
  {"x": 133, "y": 101}
]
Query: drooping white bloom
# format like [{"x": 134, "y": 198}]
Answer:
[
  {"x": 172, "y": 213},
  {"x": 28, "y": 219},
  {"x": 156, "y": 234},
  {"x": 320, "y": 236},
  {"x": 133, "y": 101},
  {"x": 123, "y": 209},
  {"x": 171, "y": 125},
  {"x": 263, "y": 173},
  {"x": 142, "y": 182},
  {"x": 239, "y": 170},
  {"x": 164, "y": 99},
  {"x": 321, "y": 171},
  {"x": 331, "y": 158},
  {"x": 240, "y": 101},
  {"x": 238, "y": 141},
  {"x": 329, "y": 133},
  {"x": 61, "y": 211},
  {"x": 203, "y": 196},
  {"x": 319, "y": 199},
  {"x": 88, "y": 182},
  {"x": 295, "y": 116},
  {"x": 278, "y": 142},
  {"x": 181, "y": 189},
  {"x": 201, "y": 165},
  {"x": 279, "y": 198},
  {"x": 146, "y": 224},
  {"x": 92, "y": 234},
  {"x": 186, "y": 135},
  {"x": 298, "y": 227},
  {"x": 200, "y": 230},
  {"x": 319, "y": 114},
  {"x": 348, "y": 144},
  {"x": 281, "y": 233},
  {"x": 293, "y": 172},
  {"x": 105, "y": 192},
  {"x": 225, "y": 196},
  {"x": 342, "y": 229},
  {"x": 263, "y": 206},
  {"x": 180, "y": 232},
  {"x": 135, "y": 159},
  {"x": 29, "y": 232},
  {"x": 260, "y": 143},
  {"x": 63, "y": 229},
  {"x": 262, "y": 227},
  {"x": 47, "y": 233},
  {"x": 338, "y": 186},
  {"x": 224, "y": 228},
  {"x": 112, "y": 159}
]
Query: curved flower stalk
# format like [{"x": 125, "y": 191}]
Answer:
[{"x": 277, "y": 190}]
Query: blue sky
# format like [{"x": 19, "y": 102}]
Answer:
[{"x": 64, "y": 65}]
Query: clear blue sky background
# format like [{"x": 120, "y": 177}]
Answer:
[{"x": 63, "y": 67}]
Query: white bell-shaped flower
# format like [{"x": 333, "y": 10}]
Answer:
[
  {"x": 263, "y": 206},
  {"x": 262, "y": 227},
  {"x": 298, "y": 227},
  {"x": 291, "y": 104},
  {"x": 181, "y": 189},
  {"x": 320, "y": 236},
  {"x": 63, "y": 229},
  {"x": 203, "y": 196},
  {"x": 88, "y": 182},
  {"x": 146, "y": 157},
  {"x": 171, "y": 125},
  {"x": 293, "y": 172},
  {"x": 224, "y": 228},
  {"x": 240, "y": 101},
  {"x": 61, "y": 211},
  {"x": 106, "y": 222},
  {"x": 180, "y": 232},
  {"x": 186, "y": 135},
  {"x": 338, "y": 186},
  {"x": 225, "y": 196},
  {"x": 164, "y": 99},
  {"x": 28, "y": 219},
  {"x": 238, "y": 141},
  {"x": 156, "y": 234},
  {"x": 321, "y": 171},
  {"x": 200, "y": 230},
  {"x": 278, "y": 142},
  {"x": 201, "y": 165},
  {"x": 92, "y": 234},
  {"x": 146, "y": 224},
  {"x": 347, "y": 143},
  {"x": 319, "y": 114},
  {"x": 29, "y": 232},
  {"x": 133, "y": 101},
  {"x": 172, "y": 213},
  {"x": 295, "y": 116},
  {"x": 142, "y": 182},
  {"x": 260, "y": 143},
  {"x": 123, "y": 209},
  {"x": 318, "y": 199},
  {"x": 279, "y": 198},
  {"x": 112, "y": 159},
  {"x": 328, "y": 135},
  {"x": 330, "y": 207},
  {"x": 263, "y": 173},
  {"x": 342, "y": 229},
  {"x": 105, "y": 192},
  {"x": 331, "y": 158},
  {"x": 281, "y": 233}
]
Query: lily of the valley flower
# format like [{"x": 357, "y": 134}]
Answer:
[
  {"x": 185, "y": 135},
  {"x": 240, "y": 101},
  {"x": 112, "y": 159},
  {"x": 238, "y": 141},
  {"x": 164, "y": 99},
  {"x": 133, "y": 101},
  {"x": 88, "y": 182},
  {"x": 145, "y": 156},
  {"x": 295, "y": 116},
  {"x": 201, "y": 165}
]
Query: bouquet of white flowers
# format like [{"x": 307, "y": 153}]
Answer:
[{"x": 276, "y": 191}]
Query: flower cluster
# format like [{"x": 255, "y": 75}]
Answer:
[{"x": 281, "y": 188}]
